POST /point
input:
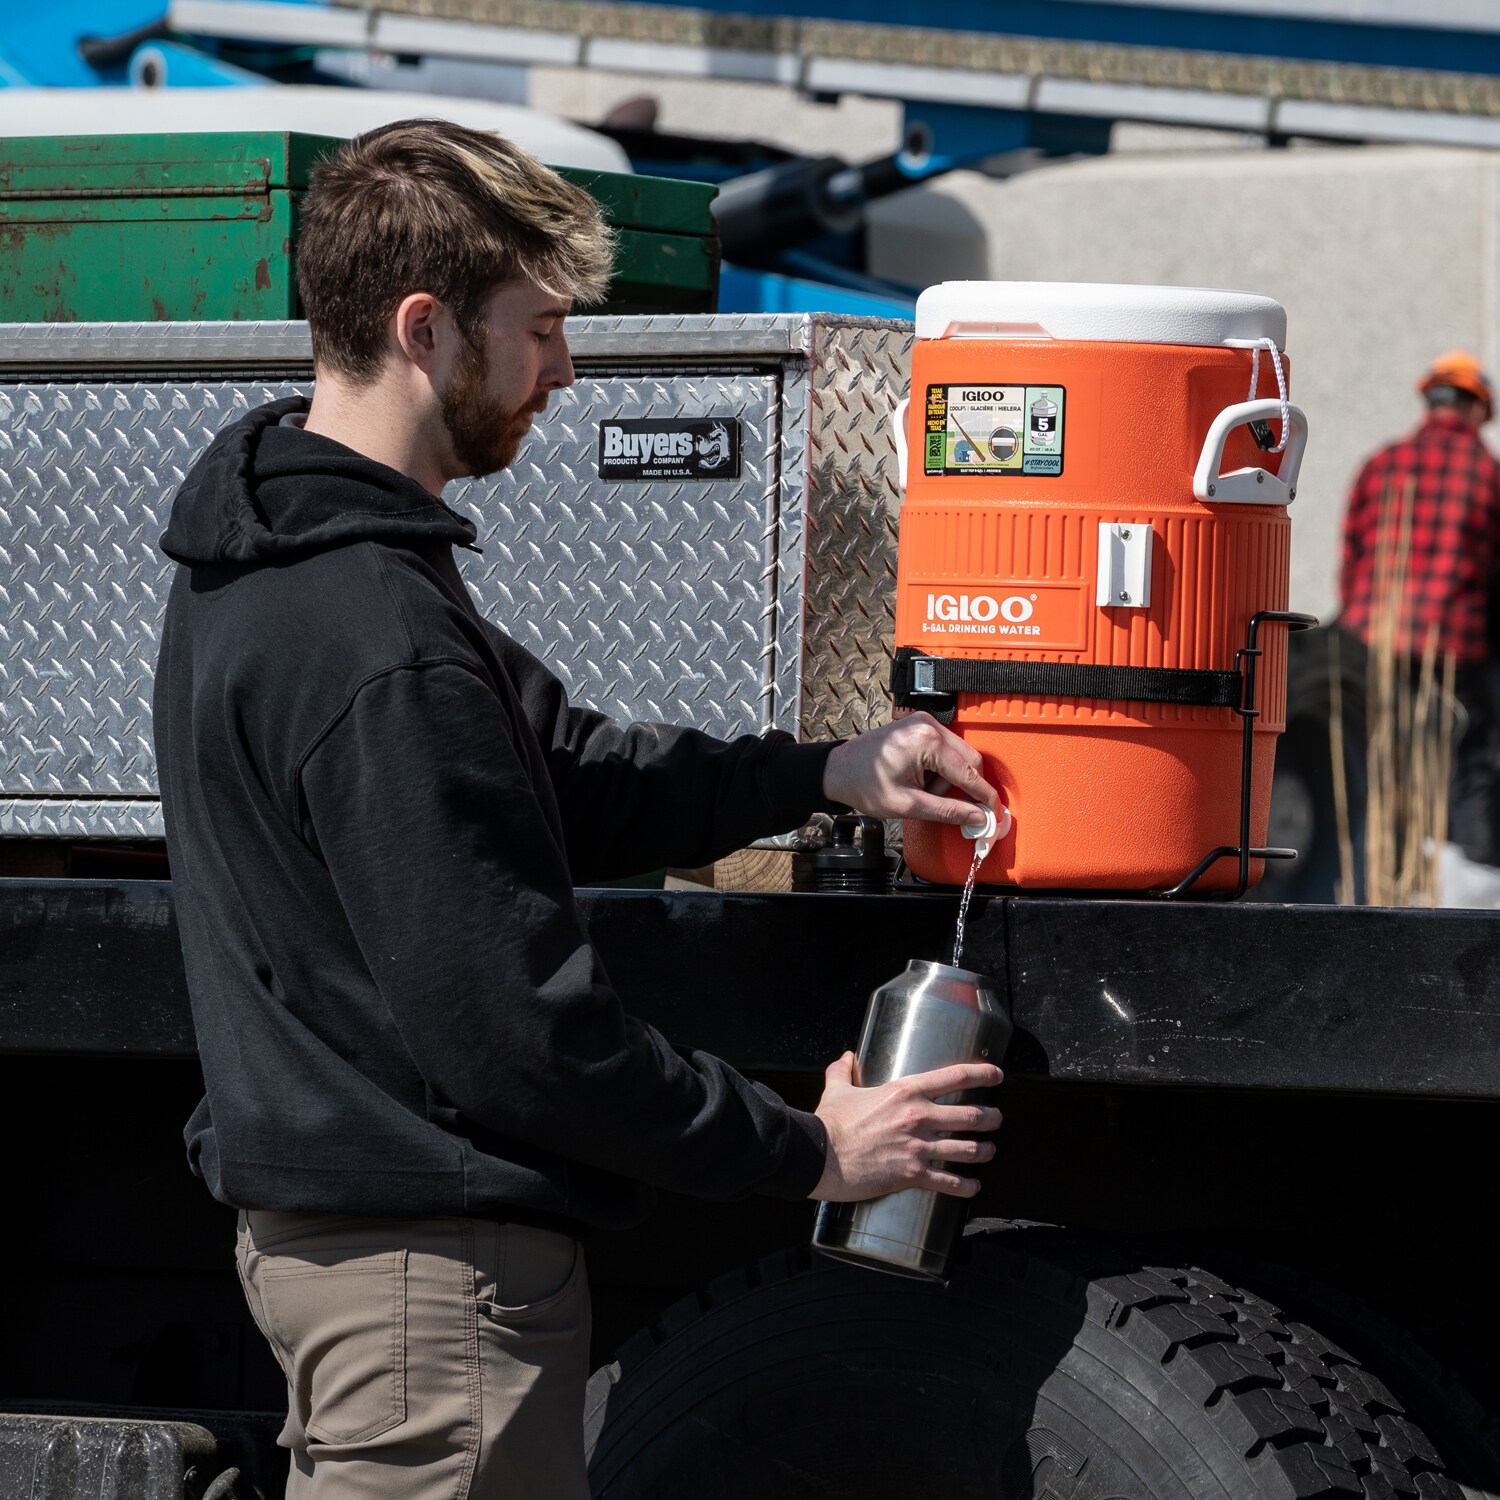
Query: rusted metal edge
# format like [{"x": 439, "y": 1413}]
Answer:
[{"x": 971, "y": 52}]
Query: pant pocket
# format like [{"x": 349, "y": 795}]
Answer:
[
  {"x": 339, "y": 1326},
  {"x": 532, "y": 1272}
]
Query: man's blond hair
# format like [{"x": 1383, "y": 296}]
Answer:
[{"x": 429, "y": 206}]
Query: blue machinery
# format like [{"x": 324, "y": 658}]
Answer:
[{"x": 977, "y": 79}]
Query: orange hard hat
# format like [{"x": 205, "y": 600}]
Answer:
[{"x": 1463, "y": 372}]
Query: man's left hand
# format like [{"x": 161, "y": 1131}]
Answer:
[{"x": 908, "y": 770}]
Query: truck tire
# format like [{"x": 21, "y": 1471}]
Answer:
[
  {"x": 1403, "y": 1328},
  {"x": 1050, "y": 1365}
]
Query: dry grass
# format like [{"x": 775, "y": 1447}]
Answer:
[
  {"x": 1345, "y": 892},
  {"x": 1410, "y": 711}
]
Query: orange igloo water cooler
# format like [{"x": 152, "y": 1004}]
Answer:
[{"x": 1094, "y": 534}]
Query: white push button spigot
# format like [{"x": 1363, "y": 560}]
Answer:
[{"x": 985, "y": 834}]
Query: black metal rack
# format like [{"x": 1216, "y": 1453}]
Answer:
[{"x": 1245, "y": 662}]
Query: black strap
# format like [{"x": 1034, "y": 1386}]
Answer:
[{"x": 933, "y": 682}]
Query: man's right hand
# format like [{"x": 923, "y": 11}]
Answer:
[{"x": 894, "y": 1136}]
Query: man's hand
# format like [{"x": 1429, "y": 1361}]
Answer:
[
  {"x": 906, "y": 770},
  {"x": 891, "y": 1137}
]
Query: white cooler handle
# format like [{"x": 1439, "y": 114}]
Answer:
[
  {"x": 1250, "y": 486},
  {"x": 900, "y": 436}
]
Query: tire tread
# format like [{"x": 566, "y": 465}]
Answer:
[{"x": 1309, "y": 1422}]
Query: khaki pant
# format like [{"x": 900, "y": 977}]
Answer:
[{"x": 431, "y": 1359}]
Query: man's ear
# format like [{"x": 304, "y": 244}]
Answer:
[{"x": 416, "y": 329}]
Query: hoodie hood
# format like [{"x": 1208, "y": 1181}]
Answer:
[{"x": 266, "y": 491}]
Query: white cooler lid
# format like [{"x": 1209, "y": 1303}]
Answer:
[{"x": 1101, "y": 312}]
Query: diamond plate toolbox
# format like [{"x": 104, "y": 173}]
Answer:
[{"x": 761, "y": 599}]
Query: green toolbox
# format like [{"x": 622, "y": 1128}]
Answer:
[
  {"x": 147, "y": 227},
  {"x": 668, "y": 255},
  {"x": 191, "y": 227}
]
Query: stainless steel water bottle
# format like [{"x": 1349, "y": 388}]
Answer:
[{"x": 931, "y": 1016}]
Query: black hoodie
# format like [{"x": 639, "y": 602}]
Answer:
[{"x": 376, "y": 806}]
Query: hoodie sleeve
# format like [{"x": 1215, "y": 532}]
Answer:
[
  {"x": 460, "y": 899},
  {"x": 643, "y": 796}
]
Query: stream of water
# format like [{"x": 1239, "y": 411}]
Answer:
[{"x": 963, "y": 906}]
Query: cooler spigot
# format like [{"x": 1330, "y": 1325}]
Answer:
[{"x": 987, "y": 833}]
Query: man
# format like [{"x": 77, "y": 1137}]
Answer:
[
  {"x": 420, "y": 1085},
  {"x": 1451, "y": 483}
]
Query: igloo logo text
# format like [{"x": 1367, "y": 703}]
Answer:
[
  {"x": 1006, "y": 612},
  {"x": 982, "y": 609},
  {"x": 981, "y": 614}
]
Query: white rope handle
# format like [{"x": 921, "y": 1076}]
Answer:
[{"x": 1286, "y": 422}]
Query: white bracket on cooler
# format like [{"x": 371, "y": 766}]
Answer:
[{"x": 1124, "y": 565}]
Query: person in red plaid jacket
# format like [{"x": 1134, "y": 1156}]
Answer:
[{"x": 1451, "y": 482}]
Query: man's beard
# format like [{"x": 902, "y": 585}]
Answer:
[{"x": 485, "y": 435}]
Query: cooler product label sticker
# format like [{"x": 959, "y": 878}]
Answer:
[
  {"x": 1018, "y": 616},
  {"x": 995, "y": 429},
  {"x": 642, "y": 448}
]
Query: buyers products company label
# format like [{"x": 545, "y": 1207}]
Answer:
[
  {"x": 1019, "y": 616},
  {"x": 995, "y": 429},
  {"x": 674, "y": 448}
]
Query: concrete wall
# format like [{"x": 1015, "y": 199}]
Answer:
[{"x": 1383, "y": 257}]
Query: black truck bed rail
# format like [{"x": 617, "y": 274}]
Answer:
[{"x": 1398, "y": 1003}]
